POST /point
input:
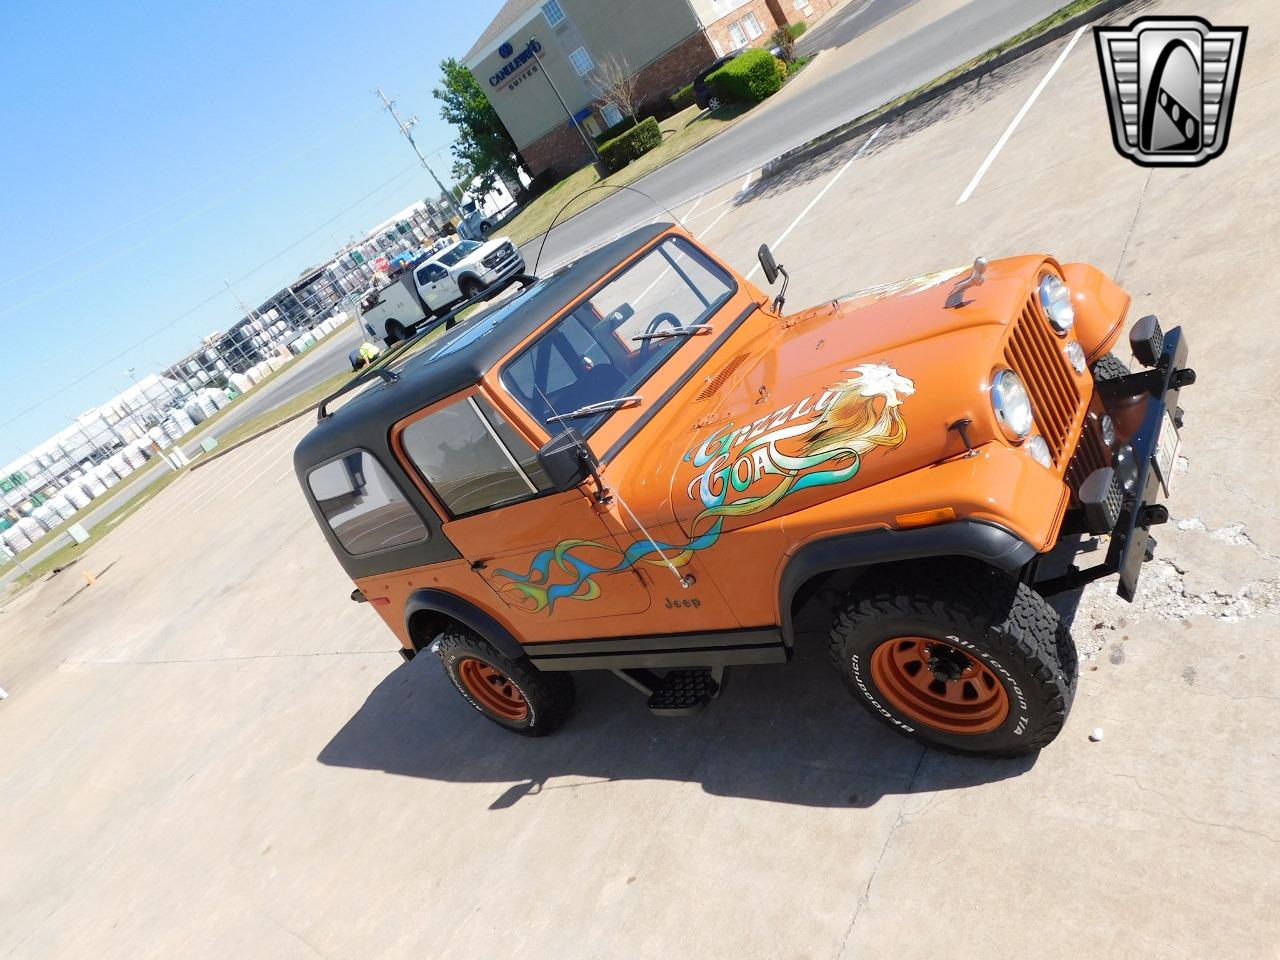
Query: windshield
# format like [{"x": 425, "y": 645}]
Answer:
[
  {"x": 463, "y": 249},
  {"x": 592, "y": 355}
]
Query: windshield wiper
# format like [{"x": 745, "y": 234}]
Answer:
[
  {"x": 693, "y": 330},
  {"x": 604, "y": 406}
]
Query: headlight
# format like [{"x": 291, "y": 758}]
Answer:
[
  {"x": 1075, "y": 353},
  {"x": 1011, "y": 404},
  {"x": 1039, "y": 451},
  {"x": 1055, "y": 297}
]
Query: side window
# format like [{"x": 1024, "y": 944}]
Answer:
[
  {"x": 362, "y": 506},
  {"x": 473, "y": 458}
]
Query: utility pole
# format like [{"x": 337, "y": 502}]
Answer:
[
  {"x": 405, "y": 128},
  {"x": 249, "y": 314}
]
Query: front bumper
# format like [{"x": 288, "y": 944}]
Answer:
[
  {"x": 508, "y": 268},
  {"x": 1124, "y": 501}
]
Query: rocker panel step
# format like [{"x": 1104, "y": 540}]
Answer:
[{"x": 683, "y": 693}]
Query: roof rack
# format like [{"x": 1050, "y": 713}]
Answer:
[
  {"x": 379, "y": 371},
  {"x": 375, "y": 373}
]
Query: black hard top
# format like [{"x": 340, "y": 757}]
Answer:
[{"x": 463, "y": 356}]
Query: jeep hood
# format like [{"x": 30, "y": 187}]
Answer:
[{"x": 800, "y": 409}]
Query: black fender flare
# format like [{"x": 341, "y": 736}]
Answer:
[
  {"x": 979, "y": 539},
  {"x": 466, "y": 613}
]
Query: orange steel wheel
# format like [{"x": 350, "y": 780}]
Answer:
[
  {"x": 493, "y": 691},
  {"x": 939, "y": 685}
]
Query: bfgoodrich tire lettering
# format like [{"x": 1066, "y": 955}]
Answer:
[
  {"x": 1006, "y": 631},
  {"x": 548, "y": 696}
]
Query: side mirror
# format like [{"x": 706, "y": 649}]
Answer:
[
  {"x": 768, "y": 264},
  {"x": 567, "y": 460}
]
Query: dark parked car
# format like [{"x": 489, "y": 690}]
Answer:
[{"x": 702, "y": 93}]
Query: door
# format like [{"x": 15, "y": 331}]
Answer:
[
  {"x": 550, "y": 558},
  {"x": 430, "y": 287}
]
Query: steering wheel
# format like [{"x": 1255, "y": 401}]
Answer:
[{"x": 657, "y": 322}]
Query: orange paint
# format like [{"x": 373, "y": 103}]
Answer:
[{"x": 886, "y": 373}]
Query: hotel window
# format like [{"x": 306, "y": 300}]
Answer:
[
  {"x": 612, "y": 115},
  {"x": 551, "y": 10},
  {"x": 581, "y": 61},
  {"x": 752, "y": 26}
]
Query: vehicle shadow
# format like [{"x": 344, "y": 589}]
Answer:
[{"x": 790, "y": 734}]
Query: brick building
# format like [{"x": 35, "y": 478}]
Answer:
[{"x": 536, "y": 49}]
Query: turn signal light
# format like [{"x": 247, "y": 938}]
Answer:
[{"x": 922, "y": 518}]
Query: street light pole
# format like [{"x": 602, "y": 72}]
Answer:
[
  {"x": 591, "y": 147},
  {"x": 405, "y": 128}
]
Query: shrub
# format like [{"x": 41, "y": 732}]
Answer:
[
  {"x": 749, "y": 77},
  {"x": 623, "y": 125},
  {"x": 796, "y": 29},
  {"x": 794, "y": 66},
  {"x": 682, "y": 98},
  {"x": 636, "y": 142}
]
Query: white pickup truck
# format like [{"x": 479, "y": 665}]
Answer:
[{"x": 431, "y": 285}]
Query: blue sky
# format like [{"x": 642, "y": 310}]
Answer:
[{"x": 151, "y": 150}]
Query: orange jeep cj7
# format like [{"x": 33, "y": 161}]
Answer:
[{"x": 640, "y": 464}]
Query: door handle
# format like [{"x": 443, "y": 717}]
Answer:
[{"x": 480, "y": 564}]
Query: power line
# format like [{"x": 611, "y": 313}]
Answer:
[
  {"x": 66, "y": 254},
  {"x": 207, "y": 300}
]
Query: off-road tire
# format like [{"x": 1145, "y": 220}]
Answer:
[
  {"x": 1002, "y": 625},
  {"x": 549, "y": 696},
  {"x": 1110, "y": 367}
]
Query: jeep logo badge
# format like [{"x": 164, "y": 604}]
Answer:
[{"x": 1170, "y": 84}]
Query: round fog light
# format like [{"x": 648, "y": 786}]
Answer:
[
  {"x": 1075, "y": 353},
  {"x": 1039, "y": 451},
  {"x": 1108, "y": 431}
]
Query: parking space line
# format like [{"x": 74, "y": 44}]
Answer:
[
  {"x": 203, "y": 494},
  {"x": 822, "y": 193},
  {"x": 1004, "y": 137}
]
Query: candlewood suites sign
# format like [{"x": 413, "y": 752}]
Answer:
[{"x": 518, "y": 67}]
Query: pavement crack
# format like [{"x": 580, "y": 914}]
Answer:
[
  {"x": 865, "y": 898},
  {"x": 299, "y": 937},
  {"x": 1143, "y": 788},
  {"x": 1137, "y": 212}
]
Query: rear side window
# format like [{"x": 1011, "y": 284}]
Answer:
[
  {"x": 473, "y": 458},
  {"x": 363, "y": 507}
]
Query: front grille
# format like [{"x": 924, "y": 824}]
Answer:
[
  {"x": 1091, "y": 454},
  {"x": 1033, "y": 353},
  {"x": 495, "y": 258}
]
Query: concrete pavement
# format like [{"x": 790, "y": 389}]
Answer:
[
  {"x": 213, "y": 753},
  {"x": 916, "y": 43}
]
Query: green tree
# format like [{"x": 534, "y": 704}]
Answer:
[{"x": 484, "y": 148}]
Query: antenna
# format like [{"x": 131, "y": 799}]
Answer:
[
  {"x": 598, "y": 186},
  {"x": 685, "y": 581}
]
